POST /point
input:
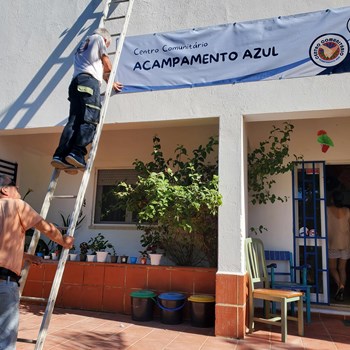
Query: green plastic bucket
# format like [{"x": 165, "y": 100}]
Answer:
[{"x": 142, "y": 304}]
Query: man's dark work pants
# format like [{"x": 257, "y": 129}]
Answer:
[{"x": 84, "y": 115}]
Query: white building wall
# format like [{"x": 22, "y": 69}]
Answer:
[
  {"x": 38, "y": 61},
  {"x": 36, "y": 70}
]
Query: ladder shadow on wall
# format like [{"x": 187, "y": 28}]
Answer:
[{"x": 25, "y": 102}]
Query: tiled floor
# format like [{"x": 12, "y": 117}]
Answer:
[{"x": 76, "y": 329}]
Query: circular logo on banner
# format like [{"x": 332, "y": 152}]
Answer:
[{"x": 328, "y": 50}]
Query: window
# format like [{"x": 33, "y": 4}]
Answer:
[
  {"x": 106, "y": 211},
  {"x": 9, "y": 168}
]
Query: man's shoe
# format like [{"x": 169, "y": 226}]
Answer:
[
  {"x": 60, "y": 163},
  {"x": 73, "y": 159}
]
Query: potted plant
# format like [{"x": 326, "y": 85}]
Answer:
[
  {"x": 84, "y": 248},
  {"x": 114, "y": 256},
  {"x": 143, "y": 257},
  {"x": 54, "y": 252},
  {"x": 151, "y": 241},
  {"x": 73, "y": 254},
  {"x": 90, "y": 257},
  {"x": 98, "y": 246},
  {"x": 124, "y": 259}
]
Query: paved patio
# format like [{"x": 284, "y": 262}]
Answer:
[{"x": 76, "y": 329}]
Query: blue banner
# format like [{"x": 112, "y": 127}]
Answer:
[{"x": 296, "y": 46}]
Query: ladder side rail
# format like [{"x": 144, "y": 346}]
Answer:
[
  {"x": 107, "y": 9},
  {"x": 51, "y": 300},
  {"x": 36, "y": 236},
  {"x": 114, "y": 67},
  {"x": 105, "y": 13}
]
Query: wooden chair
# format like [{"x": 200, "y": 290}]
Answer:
[
  {"x": 289, "y": 282},
  {"x": 257, "y": 271}
]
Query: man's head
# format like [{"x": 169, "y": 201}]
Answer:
[
  {"x": 8, "y": 188},
  {"x": 105, "y": 35}
]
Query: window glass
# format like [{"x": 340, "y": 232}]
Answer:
[{"x": 106, "y": 204}]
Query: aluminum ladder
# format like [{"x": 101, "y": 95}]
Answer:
[{"x": 110, "y": 20}]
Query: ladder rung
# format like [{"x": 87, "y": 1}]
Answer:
[
  {"x": 62, "y": 227},
  {"x": 112, "y": 53},
  {"x": 22, "y": 340},
  {"x": 118, "y": 1},
  {"x": 116, "y": 34},
  {"x": 33, "y": 298},
  {"x": 65, "y": 196},
  {"x": 113, "y": 18}
]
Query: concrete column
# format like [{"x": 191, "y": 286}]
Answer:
[{"x": 231, "y": 279}]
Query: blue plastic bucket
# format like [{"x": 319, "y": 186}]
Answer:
[{"x": 171, "y": 305}]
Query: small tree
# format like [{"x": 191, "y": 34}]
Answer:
[{"x": 173, "y": 198}]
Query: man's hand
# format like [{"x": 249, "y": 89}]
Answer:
[
  {"x": 33, "y": 259},
  {"x": 117, "y": 86},
  {"x": 68, "y": 242}
]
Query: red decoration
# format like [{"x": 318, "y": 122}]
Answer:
[{"x": 324, "y": 140}]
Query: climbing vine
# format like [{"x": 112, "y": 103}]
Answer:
[{"x": 268, "y": 160}]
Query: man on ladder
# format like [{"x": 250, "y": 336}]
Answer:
[
  {"x": 16, "y": 216},
  {"x": 91, "y": 65}
]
